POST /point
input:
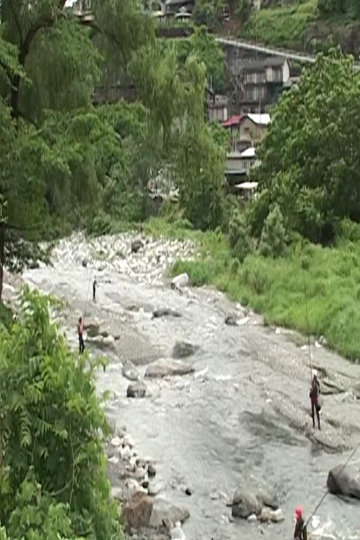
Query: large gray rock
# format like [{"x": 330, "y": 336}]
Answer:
[
  {"x": 137, "y": 511},
  {"x": 344, "y": 481},
  {"x": 180, "y": 281},
  {"x": 168, "y": 366},
  {"x": 252, "y": 498},
  {"x": 182, "y": 349},
  {"x": 164, "y": 513},
  {"x": 92, "y": 329},
  {"x": 129, "y": 371},
  {"x": 136, "y": 246},
  {"x": 136, "y": 390},
  {"x": 165, "y": 312}
]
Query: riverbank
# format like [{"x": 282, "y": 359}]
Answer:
[
  {"x": 244, "y": 410},
  {"x": 312, "y": 289}
]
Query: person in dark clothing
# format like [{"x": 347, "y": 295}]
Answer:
[
  {"x": 314, "y": 397},
  {"x": 94, "y": 289},
  {"x": 80, "y": 329},
  {"x": 300, "y": 532}
]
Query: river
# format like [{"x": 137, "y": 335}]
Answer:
[{"x": 244, "y": 411}]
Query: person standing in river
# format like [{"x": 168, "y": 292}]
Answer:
[
  {"x": 314, "y": 398},
  {"x": 80, "y": 329},
  {"x": 300, "y": 532},
  {"x": 94, "y": 289}
]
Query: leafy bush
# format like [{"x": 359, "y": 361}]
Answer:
[
  {"x": 239, "y": 236},
  {"x": 273, "y": 236},
  {"x": 53, "y": 480}
]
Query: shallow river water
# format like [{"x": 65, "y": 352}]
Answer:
[{"x": 244, "y": 411}]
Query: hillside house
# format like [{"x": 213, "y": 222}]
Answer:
[
  {"x": 218, "y": 108},
  {"x": 246, "y": 130},
  {"x": 259, "y": 83}
]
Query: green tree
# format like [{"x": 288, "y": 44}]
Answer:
[
  {"x": 318, "y": 119},
  {"x": 273, "y": 236},
  {"x": 53, "y": 480},
  {"x": 239, "y": 235}
]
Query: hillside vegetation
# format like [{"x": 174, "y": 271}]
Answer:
[{"x": 311, "y": 25}]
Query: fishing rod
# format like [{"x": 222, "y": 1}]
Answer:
[
  {"x": 308, "y": 328},
  {"x": 327, "y": 492}
]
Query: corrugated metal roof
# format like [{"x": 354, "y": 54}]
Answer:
[
  {"x": 260, "y": 119},
  {"x": 248, "y": 153}
]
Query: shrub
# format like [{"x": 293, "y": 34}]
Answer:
[
  {"x": 52, "y": 428},
  {"x": 273, "y": 236},
  {"x": 239, "y": 236}
]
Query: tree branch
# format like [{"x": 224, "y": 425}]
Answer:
[
  {"x": 17, "y": 22},
  {"x": 111, "y": 37}
]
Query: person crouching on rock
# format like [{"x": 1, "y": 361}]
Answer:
[
  {"x": 300, "y": 532},
  {"x": 314, "y": 397},
  {"x": 80, "y": 329}
]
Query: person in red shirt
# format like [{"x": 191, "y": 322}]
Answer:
[{"x": 80, "y": 329}]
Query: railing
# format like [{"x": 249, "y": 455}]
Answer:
[{"x": 274, "y": 51}]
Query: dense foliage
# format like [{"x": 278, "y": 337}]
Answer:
[
  {"x": 53, "y": 480},
  {"x": 65, "y": 163},
  {"x": 316, "y": 121}
]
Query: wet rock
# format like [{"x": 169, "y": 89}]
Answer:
[
  {"x": 137, "y": 511},
  {"x": 125, "y": 452},
  {"x": 33, "y": 265},
  {"x": 183, "y": 349},
  {"x": 231, "y": 320},
  {"x": 165, "y": 512},
  {"x": 132, "y": 486},
  {"x": 92, "y": 329},
  {"x": 180, "y": 281},
  {"x": 188, "y": 491},
  {"x": 154, "y": 488},
  {"x": 129, "y": 441},
  {"x": 356, "y": 390},
  {"x": 277, "y": 515},
  {"x": 245, "y": 504},
  {"x": 129, "y": 371},
  {"x": 252, "y": 498},
  {"x": 136, "y": 246},
  {"x": 136, "y": 390},
  {"x": 151, "y": 470},
  {"x": 116, "y": 493},
  {"x": 344, "y": 481},
  {"x": 84, "y": 262},
  {"x": 116, "y": 441},
  {"x": 168, "y": 367},
  {"x": 165, "y": 312},
  {"x": 265, "y": 515},
  {"x": 252, "y": 518},
  {"x": 177, "y": 533}
]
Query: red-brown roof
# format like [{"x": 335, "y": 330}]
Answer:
[{"x": 233, "y": 121}]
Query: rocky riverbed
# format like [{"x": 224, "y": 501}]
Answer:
[{"x": 224, "y": 403}]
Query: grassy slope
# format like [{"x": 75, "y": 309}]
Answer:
[
  {"x": 282, "y": 27},
  {"x": 300, "y": 27},
  {"x": 276, "y": 287}
]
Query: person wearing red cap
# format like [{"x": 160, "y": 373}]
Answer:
[{"x": 300, "y": 532}]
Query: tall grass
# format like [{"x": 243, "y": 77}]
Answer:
[{"x": 327, "y": 280}]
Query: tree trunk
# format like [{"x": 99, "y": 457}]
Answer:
[{"x": 2, "y": 256}]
